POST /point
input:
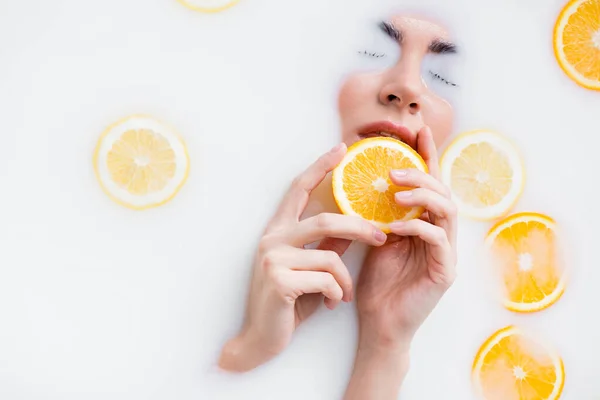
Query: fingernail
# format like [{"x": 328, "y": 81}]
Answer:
[
  {"x": 404, "y": 194},
  {"x": 336, "y": 148},
  {"x": 380, "y": 236},
  {"x": 399, "y": 173}
]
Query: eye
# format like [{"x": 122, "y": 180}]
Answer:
[
  {"x": 437, "y": 76},
  {"x": 372, "y": 54}
]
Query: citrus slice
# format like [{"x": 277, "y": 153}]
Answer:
[
  {"x": 208, "y": 6},
  {"x": 513, "y": 365},
  {"x": 485, "y": 173},
  {"x": 140, "y": 162},
  {"x": 362, "y": 185},
  {"x": 523, "y": 249},
  {"x": 577, "y": 42}
]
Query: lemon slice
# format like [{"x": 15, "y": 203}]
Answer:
[
  {"x": 577, "y": 42},
  {"x": 514, "y": 365},
  {"x": 523, "y": 249},
  {"x": 140, "y": 162},
  {"x": 362, "y": 185},
  {"x": 208, "y": 6},
  {"x": 485, "y": 173}
]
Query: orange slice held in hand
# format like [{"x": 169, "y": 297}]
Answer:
[
  {"x": 577, "y": 42},
  {"x": 513, "y": 365},
  {"x": 523, "y": 249},
  {"x": 362, "y": 185}
]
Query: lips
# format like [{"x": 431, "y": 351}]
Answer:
[{"x": 387, "y": 129}]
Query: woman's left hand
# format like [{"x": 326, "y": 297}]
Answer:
[{"x": 402, "y": 281}]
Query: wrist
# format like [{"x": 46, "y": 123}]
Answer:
[
  {"x": 240, "y": 354},
  {"x": 379, "y": 370}
]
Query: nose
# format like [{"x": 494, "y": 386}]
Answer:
[{"x": 401, "y": 90}]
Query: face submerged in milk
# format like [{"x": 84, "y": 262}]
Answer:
[
  {"x": 406, "y": 76},
  {"x": 406, "y": 80}
]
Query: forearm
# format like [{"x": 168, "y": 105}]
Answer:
[{"x": 378, "y": 372}]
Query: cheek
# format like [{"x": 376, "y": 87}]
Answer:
[
  {"x": 354, "y": 95},
  {"x": 439, "y": 116}
]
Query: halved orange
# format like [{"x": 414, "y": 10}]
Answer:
[
  {"x": 485, "y": 173},
  {"x": 362, "y": 184},
  {"x": 514, "y": 365},
  {"x": 577, "y": 42},
  {"x": 524, "y": 251}
]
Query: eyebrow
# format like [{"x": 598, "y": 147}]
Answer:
[{"x": 437, "y": 46}]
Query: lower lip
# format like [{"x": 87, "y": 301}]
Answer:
[{"x": 371, "y": 135}]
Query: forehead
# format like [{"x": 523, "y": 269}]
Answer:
[{"x": 415, "y": 28}]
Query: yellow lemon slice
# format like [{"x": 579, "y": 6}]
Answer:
[
  {"x": 362, "y": 185},
  {"x": 513, "y": 365},
  {"x": 484, "y": 172},
  {"x": 577, "y": 42},
  {"x": 141, "y": 162},
  {"x": 523, "y": 249},
  {"x": 208, "y": 6}
]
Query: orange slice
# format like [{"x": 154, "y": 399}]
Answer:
[
  {"x": 208, "y": 6},
  {"x": 513, "y": 365},
  {"x": 141, "y": 162},
  {"x": 362, "y": 185},
  {"x": 484, "y": 171},
  {"x": 577, "y": 42},
  {"x": 523, "y": 250}
]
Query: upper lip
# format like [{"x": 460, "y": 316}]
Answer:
[{"x": 400, "y": 132}]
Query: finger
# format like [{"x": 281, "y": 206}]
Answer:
[
  {"x": 329, "y": 225},
  {"x": 323, "y": 261},
  {"x": 427, "y": 150},
  {"x": 433, "y": 202},
  {"x": 295, "y": 200},
  {"x": 441, "y": 251},
  {"x": 306, "y": 282},
  {"x": 339, "y": 246},
  {"x": 418, "y": 179}
]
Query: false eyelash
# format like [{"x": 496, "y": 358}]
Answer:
[
  {"x": 376, "y": 55},
  {"x": 437, "y": 76}
]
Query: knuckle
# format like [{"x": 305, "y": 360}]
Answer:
[
  {"x": 332, "y": 260},
  {"x": 266, "y": 243},
  {"x": 323, "y": 222},
  {"x": 452, "y": 209},
  {"x": 333, "y": 288},
  {"x": 299, "y": 182},
  {"x": 447, "y": 192},
  {"x": 440, "y": 236},
  {"x": 269, "y": 262}
]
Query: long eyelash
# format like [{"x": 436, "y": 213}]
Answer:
[
  {"x": 376, "y": 55},
  {"x": 437, "y": 76}
]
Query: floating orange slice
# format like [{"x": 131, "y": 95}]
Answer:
[
  {"x": 577, "y": 42},
  {"x": 513, "y": 365},
  {"x": 208, "y": 6},
  {"x": 485, "y": 173},
  {"x": 141, "y": 162},
  {"x": 523, "y": 249},
  {"x": 362, "y": 185}
]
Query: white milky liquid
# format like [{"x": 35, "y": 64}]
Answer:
[{"x": 97, "y": 301}]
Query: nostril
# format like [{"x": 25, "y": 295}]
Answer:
[
  {"x": 414, "y": 106},
  {"x": 391, "y": 97}
]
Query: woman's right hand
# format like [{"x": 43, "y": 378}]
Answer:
[{"x": 290, "y": 281}]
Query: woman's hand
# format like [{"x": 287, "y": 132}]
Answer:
[
  {"x": 401, "y": 282},
  {"x": 289, "y": 281}
]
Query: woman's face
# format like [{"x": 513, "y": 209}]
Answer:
[{"x": 396, "y": 98}]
